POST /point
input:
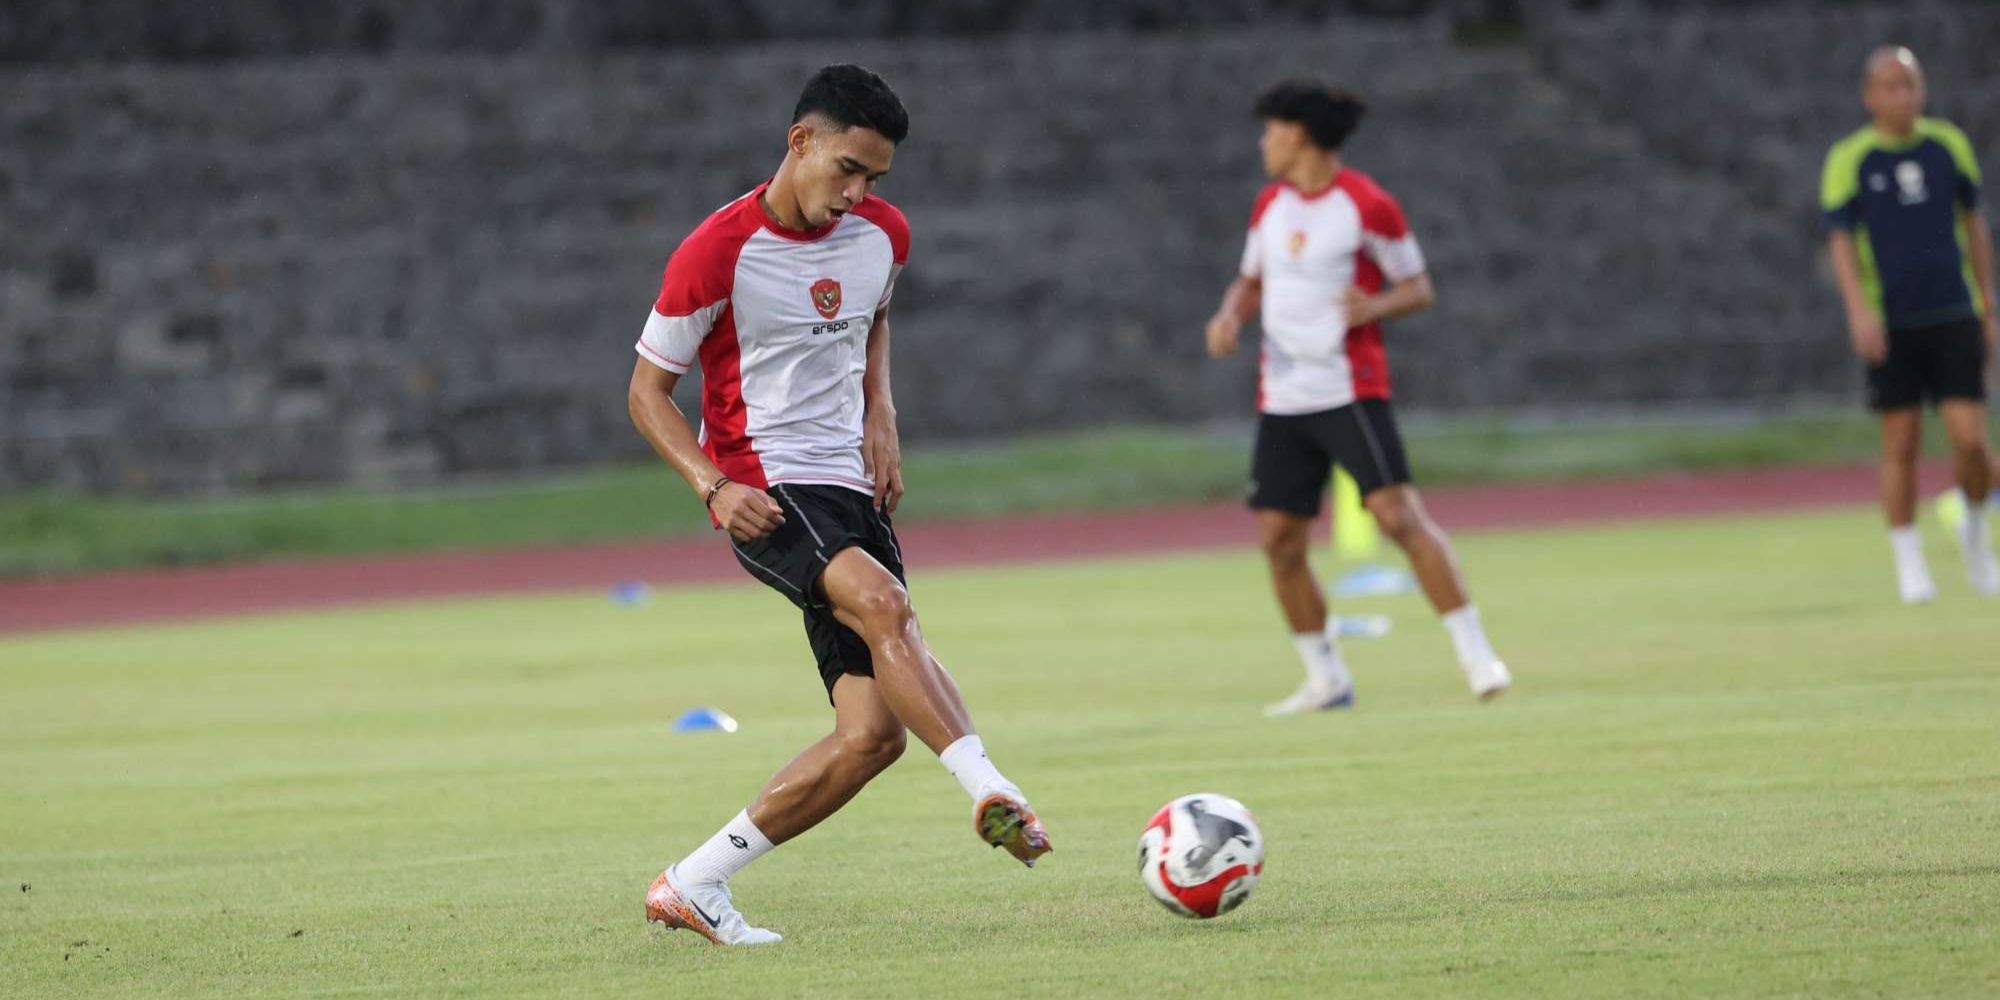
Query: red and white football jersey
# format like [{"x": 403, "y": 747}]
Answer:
[
  {"x": 1307, "y": 249},
  {"x": 779, "y": 321}
]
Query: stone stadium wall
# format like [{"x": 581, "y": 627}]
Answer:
[{"x": 392, "y": 270}]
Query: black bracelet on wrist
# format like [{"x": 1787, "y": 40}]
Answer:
[{"x": 709, "y": 500}]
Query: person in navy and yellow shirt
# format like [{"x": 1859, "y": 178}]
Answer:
[{"x": 1914, "y": 261}]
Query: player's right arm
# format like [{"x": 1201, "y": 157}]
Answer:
[
  {"x": 1241, "y": 300},
  {"x": 1864, "y": 328},
  {"x": 1839, "y": 202},
  {"x": 744, "y": 511},
  {"x": 694, "y": 291},
  {"x": 1979, "y": 247},
  {"x": 1239, "y": 303}
]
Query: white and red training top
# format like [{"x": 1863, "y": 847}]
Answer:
[
  {"x": 1307, "y": 249},
  {"x": 779, "y": 319}
]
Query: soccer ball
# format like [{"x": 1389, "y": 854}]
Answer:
[{"x": 1201, "y": 855}]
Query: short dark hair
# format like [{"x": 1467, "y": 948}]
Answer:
[
  {"x": 1329, "y": 114},
  {"x": 852, "y": 97}
]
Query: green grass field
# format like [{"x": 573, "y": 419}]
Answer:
[
  {"x": 1732, "y": 766},
  {"x": 49, "y": 533}
]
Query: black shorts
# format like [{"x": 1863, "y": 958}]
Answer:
[
  {"x": 820, "y": 521},
  {"x": 1294, "y": 455},
  {"x": 1928, "y": 364}
]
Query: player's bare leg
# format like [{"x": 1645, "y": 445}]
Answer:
[
  {"x": 866, "y": 738},
  {"x": 1902, "y": 442},
  {"x": 1965, "y": 427},
  {"x": 868, "y": 599},
  {"x": 1286, "y": 539},
  {"x": 1400, "y": 513}
]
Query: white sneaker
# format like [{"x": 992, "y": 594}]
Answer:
[
  {"x": 1488, "y": 681},
  {"x": 1312, "y": 696},
  {"x": 1981, "y": 568},
  {"x": 704, "y": 908},
  {"x": 1915, "y": 586}
]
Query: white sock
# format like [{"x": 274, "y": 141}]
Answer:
[
  {"x": 966, "y": 759},
  {"x": 738, "y": 843},
  {"x": 1908, "y": 544},
  {"x": 1468, "y": 637},
  {"x": 1972, "y": 532},
  {"x": 1321, "y": 656}
]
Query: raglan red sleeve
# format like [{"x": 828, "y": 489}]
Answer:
[
  {"x": 693, "y": 292},
  {"x": 1386, "y": 235}
]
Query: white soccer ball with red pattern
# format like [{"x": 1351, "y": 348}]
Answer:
[{"x": 1201, "y": 855}]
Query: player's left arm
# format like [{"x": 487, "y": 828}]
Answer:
[
  {"x": 1979, "y": 249},
  {"x": 1410, "y": 295},
  {"x": 1386, "y": 238},
  {"x": 1978, "y": 236},
  {"x": 881, "y": 448}
]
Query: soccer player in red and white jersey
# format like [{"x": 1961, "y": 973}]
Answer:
[
  {"x": 1328, "y": 260},
  {"x": 782, "y": 297}
]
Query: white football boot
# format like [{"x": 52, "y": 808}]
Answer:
[
  {"x": 1981, "y": 568},
  {"x": 1489, "y": 680},
  {"x": 1313, "y": 696},
  {"x": 1914, "y": 584},
  {"x": 705, "y": 909}
]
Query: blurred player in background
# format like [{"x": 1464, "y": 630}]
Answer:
[
  {"x": 1330, "y": 258},
  {"x": 1914, "y": 260},
  {"x": 782, "y": 296}
]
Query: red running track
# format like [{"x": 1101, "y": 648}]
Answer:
[{"x": 152, "y": 595}]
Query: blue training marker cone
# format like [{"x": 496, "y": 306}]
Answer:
[
  {"x": 1361, "y": 626},
  {"x": 704, "y": 720},
  {"x": 1374, "y": 581}
]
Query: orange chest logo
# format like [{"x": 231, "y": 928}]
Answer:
[
  {"x": 826, "y": 297},
  {"x": 1297, "y": 244}
]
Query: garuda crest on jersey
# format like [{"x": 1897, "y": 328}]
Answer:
[{"x": 826, "y": 297}]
